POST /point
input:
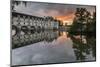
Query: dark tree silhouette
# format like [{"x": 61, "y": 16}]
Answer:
[
  {"x": 80, "y": 21},
  {"x": 84, "y": 24},
  {"x": 16, "y": 3}
]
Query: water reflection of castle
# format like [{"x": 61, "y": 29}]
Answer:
[{"x": 26, "y": 39}]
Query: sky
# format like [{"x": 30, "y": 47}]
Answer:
[{"x": 64, "y": 12}]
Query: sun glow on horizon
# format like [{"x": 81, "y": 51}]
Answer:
[{"x": 66, "y": 19}]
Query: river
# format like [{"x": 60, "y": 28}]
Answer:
[{"x": 52, "y": 47}]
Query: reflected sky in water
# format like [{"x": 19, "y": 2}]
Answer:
[{"x": 57, "y": 51}]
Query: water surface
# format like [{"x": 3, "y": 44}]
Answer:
[{"x": 53, "y": 47}]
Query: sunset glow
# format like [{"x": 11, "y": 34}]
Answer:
[{"x": 66, "y": 19}]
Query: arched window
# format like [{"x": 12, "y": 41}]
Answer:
[
  {"x": 24, "y": 29},
  {"x": 14, "y": 30}
]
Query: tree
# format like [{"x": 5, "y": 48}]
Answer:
[
  {"x": 84, "y": 24},
  {"x": 80, "y": 20},
  {"x": 16, "y": 3}
]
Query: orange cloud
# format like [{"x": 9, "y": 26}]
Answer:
[{"x": 66, "y": 19}]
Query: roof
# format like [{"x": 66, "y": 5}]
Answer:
[{"x": 23, "y": 14}]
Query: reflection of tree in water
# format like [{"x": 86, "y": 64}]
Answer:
[
  {"x": 91, "y": 40},
  {"x": 78, "y": 49},
  {"x": 82, "y": 50}
]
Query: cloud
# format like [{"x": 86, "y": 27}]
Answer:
[{"x": 50, "y": 9}]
